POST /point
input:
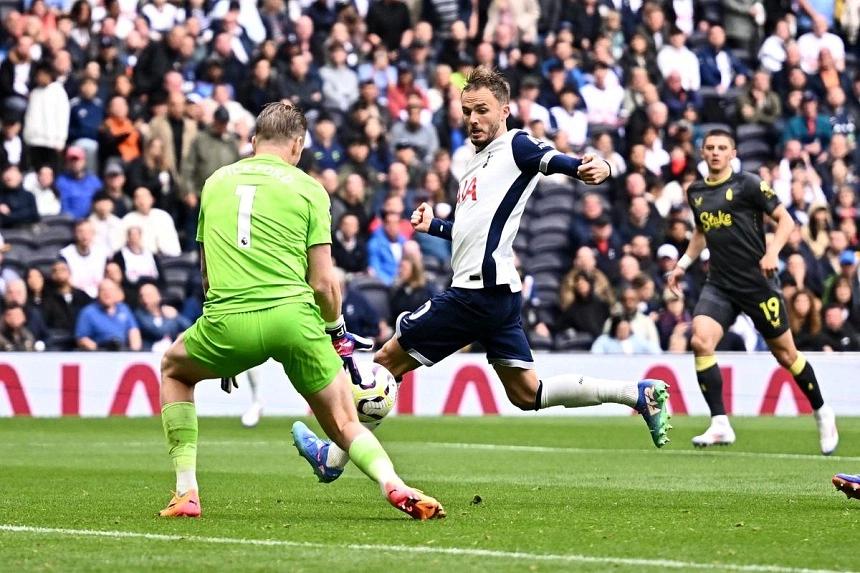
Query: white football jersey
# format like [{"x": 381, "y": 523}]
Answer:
[{"x": 493, "y": 192}]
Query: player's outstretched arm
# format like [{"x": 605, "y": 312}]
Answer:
[
  {"x": 535, "y": 156},
  {"x": 694, "y": 249}
]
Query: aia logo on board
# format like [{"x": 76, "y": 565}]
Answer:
[{"x": 468, "y": 189}]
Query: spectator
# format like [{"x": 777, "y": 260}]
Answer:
[
  {"x": 641, "y": 324},
  {"x": 412, "y": 131},
  {"x": 326, "y": 149},
  {"x": 16, "y": 294},
  {"x": 86, "y": 260},
  {"x": 602, "y": 99},
  {"x": 11, "y": 144},
  {"x": 107, "y": 323},
  {"x": 261, "y": 87},
  {"x": 620, "y": 339},
  {"x": 568, "y": 118},
  {"x": 385, "y": 248},
  {"x": 176, "y": 131},
  {"x": 118, "y": 137},
  {"x": 387, "y": 20},
  {"x": 17, "y": 207},
  {"x": 676, "y": 57},
  {"x": 581, "y": 309},
  {"x": 673, "y": 323},
  {"x": 76, "y": 185},
  {"x": 772, "y": 52},
  {"x": 410, "y": 289},
  {"x": 15, "y": 72},
  {"x": 114, "y": 187},
  {"x": 804, "y": 317},
  {"x": 812, "y": 128},
  {"x": 718, "y": 67},
  {"x": 757, "y": 103},
  {"x": 15, "y": 336},
  {"x": 136, "y": 261},
  {"x": 152, "y": 170},
  {"x": 302, "y": 86},
  {"x": 348, "y": 248},
  {"x": 46, "y": 122},
  {"x": 41, "y": 184},
  {"x": 158, "y": 231},
  {"x": 837, "y": 335},
  {"x": 210, "y": 150},
  {"x": 108, "y": 228},
  {"x": 160, "y": 324},
  {"x": 87, "y": 115},
  {"x": 812, "y": 43},
  {"x": 35, "y": 288}
]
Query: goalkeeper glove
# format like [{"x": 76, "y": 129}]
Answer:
[
  {"x": 345, "y": 343},
  {"x": 228, "y": 383}
]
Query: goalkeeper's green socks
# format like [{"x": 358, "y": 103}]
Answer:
[
  {"x": 367, "y": 453},
  {"x": 180, "y": 428}
]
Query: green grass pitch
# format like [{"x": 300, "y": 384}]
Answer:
[{"x": 556, "y": 494}]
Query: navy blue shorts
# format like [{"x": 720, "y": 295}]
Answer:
[{"x": 458, "y": 317}]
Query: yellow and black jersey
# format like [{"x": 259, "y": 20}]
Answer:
[{"x": 730, "y": 213}]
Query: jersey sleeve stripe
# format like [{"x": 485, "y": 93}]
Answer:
[{"x": 544, "y": 161}]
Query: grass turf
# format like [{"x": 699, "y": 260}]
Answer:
[{"x": 562, "y": 490}]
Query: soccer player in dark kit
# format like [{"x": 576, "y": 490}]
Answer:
[{"x": 728, "y": 209}]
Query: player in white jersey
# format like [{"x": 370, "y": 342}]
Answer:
[{"x": 484, "y": 303}]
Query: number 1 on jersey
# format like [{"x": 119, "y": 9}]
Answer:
[{"x": 246, "y": 202}]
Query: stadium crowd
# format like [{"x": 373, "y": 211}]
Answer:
[{"x": 115, "y": 112}]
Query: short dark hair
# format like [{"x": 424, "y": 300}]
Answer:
[
  {"x": 719, "y": 132},
  {"x": 280, "y": 121},
  {"x": 490, "y": 78}
]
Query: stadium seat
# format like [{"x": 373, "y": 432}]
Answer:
[
  {"x": 570, "y": 339},
  {"x": 546, "y": 262},
  {"x": 547, "y": 280},
  {"x": 558, "y": 222},
  {"x": 174, "y": 295},
  {"x": 706, "y": 127},
  {"x": 548, "y": 297},
  {"x": 20, "y": 236},
  {"x": 549, "y": 241},
  {"x": 559, "y": 203},
  {"x": 539, "y": 343},
  {"x": 751, "y": 131},
  {"x": 377, "y": 295},
  {"x": 61, "y": 220},
  {"x": 58, "y": 236},
  {"x": 44, "y": 253},
  {"x": 521, "y": 241},
  {"x": 176, "y": 276},
  {"x": 186, "y": 260}
]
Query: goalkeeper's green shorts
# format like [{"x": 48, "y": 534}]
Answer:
[{"x": 293, "y": 334}]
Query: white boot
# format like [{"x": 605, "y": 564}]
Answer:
[
  {"x": 252, "y": 416},
  {"x": 827, "y": 434},
  {"x": 719, "y": 433}
]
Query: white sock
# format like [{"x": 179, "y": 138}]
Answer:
[
  {"x": 185, "y": 480},
  {"x": 337, "y": 458},
  {"x": 721, "y": 420},
  {"x": 575, "y": 391}
]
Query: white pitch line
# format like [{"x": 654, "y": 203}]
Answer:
[
  {"x": 722, "y": 451},
  {"x": 719, "y": 451},
  {"x": 454, "y": 551}
]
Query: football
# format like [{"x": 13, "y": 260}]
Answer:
[{"x": 376, "y": 394}]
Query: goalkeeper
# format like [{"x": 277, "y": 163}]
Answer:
[{"x": 265, "y": 255}]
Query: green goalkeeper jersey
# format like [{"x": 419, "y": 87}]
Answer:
[{"x": 258, "y": 217}]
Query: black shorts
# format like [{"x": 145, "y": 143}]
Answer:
[
  {"x": 765, "y": 306},
  {"x": 458, "y": 317}
]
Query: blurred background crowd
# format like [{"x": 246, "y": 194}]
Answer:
[{"x": 114, "y": 113}]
